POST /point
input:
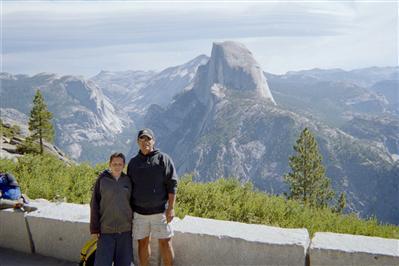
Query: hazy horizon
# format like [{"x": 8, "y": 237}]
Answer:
[
  {"x": 85, "y": 37},
  {"x": 88, "y": 77}
]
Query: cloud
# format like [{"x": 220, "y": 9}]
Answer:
[
  {"x": 60, "y": 26},
  {"x": 84, "y": 36}
]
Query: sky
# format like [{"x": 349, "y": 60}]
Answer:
[{"x": 85, "y": 37}]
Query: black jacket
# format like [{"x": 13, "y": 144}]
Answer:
[
  {"x": 153, "y": 177},
  {"x": 110, "y": 206}
]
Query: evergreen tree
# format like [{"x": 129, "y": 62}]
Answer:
[
  {"x": 40, "y": 121},
  {"x": 341, "y": 204},
  {"x": 308, "y": 181}
]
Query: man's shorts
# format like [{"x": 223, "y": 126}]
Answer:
[{"x": 153, "y": 225}]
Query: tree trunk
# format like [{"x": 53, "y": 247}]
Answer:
[{"x": 41, "y": 145}]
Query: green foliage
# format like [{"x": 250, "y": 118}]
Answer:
[
  {"x": 42, "y": 177},
  {"x": 7, "y": 166},
  {"x": 308, "y": 181},
  {"x": 28, "y": 146},
  {"x": 16, "y": 129},
  {"x": 81, "y": 183},
  {"x": 227, "y": 199},
  {"x": 40, "y": 121},
  {"x": 50, "y": 178},
  {"x": 341, "y": 203},
  {"x": 8, "y": 131}
]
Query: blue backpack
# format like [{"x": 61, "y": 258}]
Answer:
[{"x": 9, "y": 187}]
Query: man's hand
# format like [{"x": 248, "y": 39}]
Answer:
[
  {"x": 18, "y": 205},
  {"x": 170, "y": 214},
  {"x": 96, "y": 236}
]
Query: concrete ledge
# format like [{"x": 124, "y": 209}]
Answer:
[
  {"x": 344, "y": 249},
  {"x": 200, "y": 241},
  {"x": 60, "y": 230},
  {"x": 14, "y": 233}
]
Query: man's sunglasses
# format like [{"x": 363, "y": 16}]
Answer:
[{"x": 145, "y": 138}]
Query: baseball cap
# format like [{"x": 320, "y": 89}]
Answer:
[{"x": 146, "y": 132}]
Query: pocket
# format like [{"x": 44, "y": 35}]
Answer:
[
  {"x": 126, "y": 192},
  {"x": 137, "y": 217},
  {"x": 163, "y": 219}
]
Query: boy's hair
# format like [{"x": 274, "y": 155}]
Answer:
[{"x": 117, "y": 155}]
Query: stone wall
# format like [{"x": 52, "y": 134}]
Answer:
[{"x": 60, "y": 230}]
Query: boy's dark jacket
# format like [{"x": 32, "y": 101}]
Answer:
[
  {"x": 110, "y": 206},
  {"x": 153, "y": 177}
]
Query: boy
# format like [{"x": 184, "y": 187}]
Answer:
[{"x": 111, "y": 215}]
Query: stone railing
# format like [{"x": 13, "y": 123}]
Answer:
[{"x": 60, "y": 230}]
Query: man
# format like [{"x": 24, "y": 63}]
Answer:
[
  {"x": 154, "y": 181},
  {"x": 10, "y": 194}
]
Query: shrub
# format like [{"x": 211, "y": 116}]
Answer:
[
  {"x": 227, "y": 199},
  {"x": 50, "y": 178}
]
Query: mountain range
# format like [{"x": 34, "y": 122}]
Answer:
[
  {"x": 223, "y": 116},
  {"x": 83, "y": 116}
]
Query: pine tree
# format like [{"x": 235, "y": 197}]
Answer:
[
  {"x": 40, "y": 121},
  {"x": 341, "y": 204},
  {"x": 307, "y": 180}
]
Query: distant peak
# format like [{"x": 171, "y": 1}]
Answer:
[
  {"x": 46, "y": 75},
  {"x": 235, "y": 53},
  {"x": 193, "y": 63},
  {"x": 201, "y": 57},
  {"x": 104, "y": 72},
  {"x": 70, "y": 78},
  {"x": 6, "y": 75},
  {"x": 199, "y": 60},
  {"x": 233, "y": 66}
]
